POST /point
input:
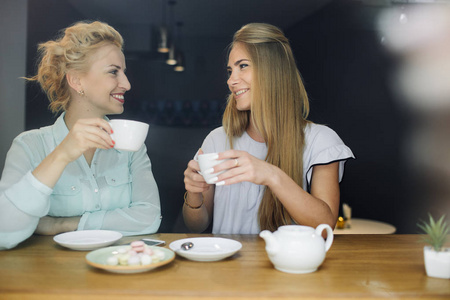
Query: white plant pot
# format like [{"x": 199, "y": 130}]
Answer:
[{"x": 437, "y": 264}]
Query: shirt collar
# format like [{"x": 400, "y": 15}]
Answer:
[{"x": 60, "y": 129}]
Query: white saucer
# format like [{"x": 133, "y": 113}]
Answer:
[
  {"x": 207, "y": 248},
  {"x": 87, "y": 239}
]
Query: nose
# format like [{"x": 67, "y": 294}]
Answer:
[
  {"x": 124, "y": 83},
  {"x": 233, "y": 79}
]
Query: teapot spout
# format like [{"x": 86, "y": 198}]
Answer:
[{"x": 272, "y": 245}]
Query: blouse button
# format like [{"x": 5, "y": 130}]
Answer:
[
  {"x": 113, "y": 180},
  {"x": 96, "y": 190},
  {"x": 73, "y": 188}
]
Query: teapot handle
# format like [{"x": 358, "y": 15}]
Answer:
[{"x": 330, "y": 235}]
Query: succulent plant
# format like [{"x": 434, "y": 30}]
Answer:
[{"x": 436, "y": 232}]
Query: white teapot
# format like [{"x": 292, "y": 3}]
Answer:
[{"x": 297, "y": 249}]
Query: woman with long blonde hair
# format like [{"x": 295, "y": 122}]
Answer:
[{"x": 281, "y": 168}]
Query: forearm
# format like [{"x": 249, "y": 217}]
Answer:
[
  {"x": 22, "y": 205},
  {"x": 140, "y": 218},
  {"x": 15, "y": 225},
  {"x": 50, "y": 169},
  {"x": 305, "y": 208},
  {"x": 54, "y": 225},
  {"x": 197, "y": 210}
]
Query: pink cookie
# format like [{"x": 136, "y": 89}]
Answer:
[
  {"x": 137, "y": 244},
  {"x": 139, "y": 249}
]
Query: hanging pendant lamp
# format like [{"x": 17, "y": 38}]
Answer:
[
  {"x": 179, "y": 67},
  {"x": 163, "y": 38},
  {"x": 171, "y": 59}
]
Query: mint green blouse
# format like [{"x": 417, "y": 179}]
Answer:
[{"x": 117, "y": 192}]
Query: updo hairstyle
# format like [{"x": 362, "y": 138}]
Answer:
[{"x": 70, "y": 51}]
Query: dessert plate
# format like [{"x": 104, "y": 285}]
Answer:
[
  {"x": 98, "y": 259},
  {"x": 207, "y": 248},
  {"x": 87, "y": 239}
]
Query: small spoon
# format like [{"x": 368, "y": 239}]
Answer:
[{"x": 186, "y": 246}]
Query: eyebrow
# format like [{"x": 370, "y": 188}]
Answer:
[
  {"x": 238, "y": 62},
  {"x": 118, "y": 67}
]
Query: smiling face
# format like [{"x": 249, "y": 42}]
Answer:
[
  {"x": 240, "y": 72},
  {"x": 105, "y": 83}
]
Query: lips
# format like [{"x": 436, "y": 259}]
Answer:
[
  {"x": 240, "y": 92},
  {"x": 118, "y": 97}
]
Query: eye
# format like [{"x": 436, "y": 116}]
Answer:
[
  {"x": 242, "y": 66},
  {"x": 114, "y": 72},
  {"x": 228, "y": 72}
]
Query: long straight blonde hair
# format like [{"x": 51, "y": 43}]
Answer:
[{"x": 279, "y": 109}]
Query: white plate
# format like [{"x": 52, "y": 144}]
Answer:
[
  {"x": 207, "y": 248},
  {"x": 87, "y": 239},
  {"x": 98, "y": 258}
]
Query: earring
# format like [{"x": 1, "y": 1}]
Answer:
[{"x": 81, "y": 93}]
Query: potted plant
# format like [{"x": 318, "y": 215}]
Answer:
[{"x": 437, "y": 257}]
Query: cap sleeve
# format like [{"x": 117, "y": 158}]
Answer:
[{"x": 323, "y": 146}]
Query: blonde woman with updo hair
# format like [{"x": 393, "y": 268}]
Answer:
[
  {"x": 68, "y": 176},
  {"x": 281, "y": 168}
]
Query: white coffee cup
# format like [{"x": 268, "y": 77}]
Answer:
[
  {"x": 207, "y": 162},
  {"x": 128, "y": 135}
]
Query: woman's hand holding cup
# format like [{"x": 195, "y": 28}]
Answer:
[
  {"x": 207, "y": 162},
  {"x": 242, "y": 166},
  {"x": 193, "y": 180},
  {"x": 86, "y": 134},
  {"x": 228, "y": 167}
]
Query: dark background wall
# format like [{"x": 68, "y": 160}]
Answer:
[{"x": 346, "y": 72}]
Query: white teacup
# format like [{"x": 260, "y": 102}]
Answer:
[
  {"x": 207, "y": 162},
  {"x": 128, "y": 135}
]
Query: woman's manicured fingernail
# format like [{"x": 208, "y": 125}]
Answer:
[
  {"x": 220, "y": 183},
  {"x": 209, "y": 171},
  {"x": 212, "y": 180}
]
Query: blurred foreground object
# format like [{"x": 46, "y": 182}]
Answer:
[{"x": 419, "y": 36}]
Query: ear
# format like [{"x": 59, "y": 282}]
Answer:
[{"x": 73, "y": 79}]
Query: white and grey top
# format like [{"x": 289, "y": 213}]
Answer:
[{"x": 236, "y": 206}]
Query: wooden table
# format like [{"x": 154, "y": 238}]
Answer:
[
  {"x": 357, "y": 266},
  {"x": 365, "y": 226}
]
